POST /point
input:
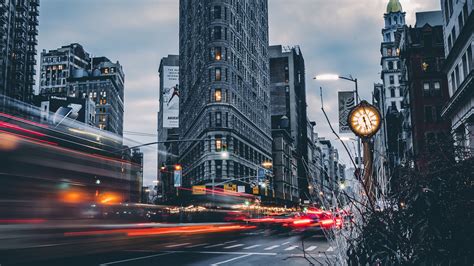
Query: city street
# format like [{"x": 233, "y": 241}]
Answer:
[{"x": 254, "y": 247}]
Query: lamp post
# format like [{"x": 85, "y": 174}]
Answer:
[{"x": 350, "y": 78}]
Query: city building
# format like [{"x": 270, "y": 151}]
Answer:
[
  {"x": 328, "y": 170},
  {"x": 18, "y": 31},
  {"x": 60, "y": 64},
  {"x": 288, "y": 98},
  {"x": 458, "y": 30},
  {"x": 425, "y": 88},
  {"x": 285, "y": 180},
  {"x": 168, "y": 127},
  {"x": 390, "y": 62},
  {"x": 224, "y": 95},
  {"x": 388, "y": 95},
  {"x": 70, "y": 72}
]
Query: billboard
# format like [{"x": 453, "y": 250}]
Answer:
[
  {"x": 170, "y": 94},
  {"x": 346, "y": 103},
  {"x": 55, "y": 109}
]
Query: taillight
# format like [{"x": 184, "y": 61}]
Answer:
[{"x": 302, "y": 222}]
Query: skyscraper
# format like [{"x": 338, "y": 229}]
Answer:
[
  {"x": 224, "y": 95},
  {"x": 168, "y": 123},
  {"x": 18, "y": 31},
  {"x": 288, "y": 98},
  {"x": 394, "y": 20}
]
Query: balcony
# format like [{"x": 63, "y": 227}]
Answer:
[
  {"x": 33, "y": 30},
  {"x": 34, "y": 3},
  {"x": 33, "y": 20}
]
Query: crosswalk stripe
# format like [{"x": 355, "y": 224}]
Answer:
[
  {"x": 330, "y": 249},
  {"x": 254, "y": 246},
  {"x": 311, "y": 248},
  {"x": 285, "y": 243},
  {"x": 198, "y": 245},
  {"x": 291, "y": 248},
  {"x": 228, "y": 242},
  {"x": 272, "y": 247},
  {"x": 234, "y": 246},
  {"x": 216, "y": 245},
  {"x": 177, "y": 245}
]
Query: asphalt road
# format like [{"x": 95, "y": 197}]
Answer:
[{"x": 255, "y": 247}]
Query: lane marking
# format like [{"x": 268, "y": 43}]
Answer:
[
  {"x": 139, "y": 258},
  {"x": 227, "y": 252},
  {"x": 216, "y": 245},
  {"x": 228, "y": 242},
  {"x": 330, "y": 249},
  {"x": 272, "y": 247},
  {"x": 254, "y": 246},
  {"x": 311, "y": 248},
  {"x": 291, "y": 248},
  {"x": 229, "y": 260},
  {"x": 234, "y": 246},
  {"x": 178, "y": 245},
  {"x": 197, "y": 245},
  {"x": 286, "y": 243}
]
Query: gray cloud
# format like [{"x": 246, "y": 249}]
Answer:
[{"x": 340, "y": 36}]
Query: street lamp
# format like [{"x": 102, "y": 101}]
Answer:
[
  {"x": 350, "y": 78},
  {"x": 225, "y": 155}
]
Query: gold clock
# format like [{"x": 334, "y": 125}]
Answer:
[{"x": 364, "y": 120}]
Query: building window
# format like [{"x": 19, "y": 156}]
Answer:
[
  {"x": 218, "y": 75},
  {"x": 392, "y": 79},
  {"x": 394, "y": 105},
  {"x": 392, "y": 92},
  {"x": 218, "y": 119},
  {"x": 469, "y": 58},
  {"x": 464, "y": 66},
  {"x": 390, "y": 65},
  {"x": 218, "y": 95},
  {"x": 428, "y": 114},
  {"x": 218, "y": 54},
  {"x": 218, "y": 144},
  {"x": 217, "y": 33},
  {"x": 217, "y": 12},
  {"x": 426, "y": 88}
]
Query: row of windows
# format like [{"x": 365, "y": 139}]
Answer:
[
  {"x": 466, "y": 66},
  {"x": 462, "y": 19}
]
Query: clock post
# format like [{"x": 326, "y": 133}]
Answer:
[{"x": 365, "y": 121}]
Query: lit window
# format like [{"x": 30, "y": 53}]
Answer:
[
  {"x": 218, "y": 144},
  {"x": 218, "y": 95},
  {"x": 218, "y": 54},
  {"x": 106, "y": 71}
]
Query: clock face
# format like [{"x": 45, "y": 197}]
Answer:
[{"x": 364, "y": 120}]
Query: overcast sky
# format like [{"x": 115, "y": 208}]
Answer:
[{"x": 336, "y": 36}]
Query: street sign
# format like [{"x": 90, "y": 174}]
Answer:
[
  {"x": 260, "y": 174},
  {"x": 177, "y": 178},
  {"x": 255, "y": 190},
  {"x": 230, "y": 188},
  {"x": 199, "y": 190}
]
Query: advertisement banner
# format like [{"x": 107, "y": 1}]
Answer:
[
  {"x": 170, "y": 96},
  {"x": 346, "y": 103},
  {"x": 199, "y": 190},
  {"x": 177, "y": 178},
  {"x": 241, "y": 189},
  {"x": 230, "y": 188}
]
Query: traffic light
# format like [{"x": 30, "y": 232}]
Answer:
[{"x": 178, "y": 167}]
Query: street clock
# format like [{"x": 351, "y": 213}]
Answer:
[{"x": 364, "y": 120}]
